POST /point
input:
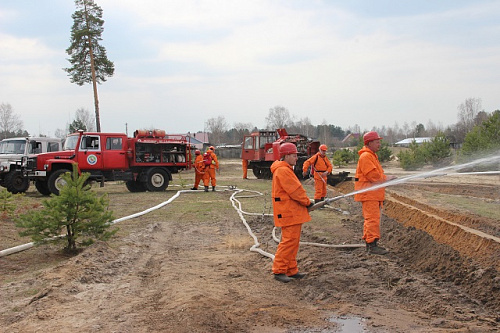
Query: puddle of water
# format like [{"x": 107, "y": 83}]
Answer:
[{"x": 349, "y": 324}]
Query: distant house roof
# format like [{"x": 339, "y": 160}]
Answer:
[
  {"x": 227, "y": 146},
  {"x": 200, "y": 136},
  {"x": 406, "y": 142},
  {"x": 195, "y": 141},
  {"x": 351, "y": 136}
]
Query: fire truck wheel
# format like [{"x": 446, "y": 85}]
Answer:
[
  {"x": 42, "y": 187},
  {"x": 16, "y": 183},
  {"x": 135, "y": 186},
  {"x": 257, "y": 172},
  {"x": 157, "y": 180},
  {"x": 56, "y": 182}
]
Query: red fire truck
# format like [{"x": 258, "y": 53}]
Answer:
[
  {"x": 145, "y": 162},
  {"x": 261, "y": 149}
]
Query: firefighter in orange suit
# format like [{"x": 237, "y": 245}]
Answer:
[
  {"x": 210, "y": 170},
  {"x": 321, "y": 167},
  {"x": 369, "y": 172},
  {"x": 199, "y": 169},
  {"x": 290, "y": 210},
  {"x": 245, "y": 168}
]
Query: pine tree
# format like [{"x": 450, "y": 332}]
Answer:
[
  {"x": 438, "y": 150},
  {"x": 8, "y": 202},
  {"x": 77, "y": 125},
  {"x": 88, "y": 59},
  {"x": 484, "y": 138},
  {"x": 414, "y": 158},
  {"x": 77, "y": 210}
]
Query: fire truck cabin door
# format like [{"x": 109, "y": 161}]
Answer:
[{"x": 114, "y": 156}]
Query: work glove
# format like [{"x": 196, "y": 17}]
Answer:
[{"x": 311, "y": 203}]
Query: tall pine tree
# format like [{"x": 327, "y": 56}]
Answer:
[{"x": 88, "y": 59}]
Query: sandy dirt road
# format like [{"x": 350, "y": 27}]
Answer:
[{"x": 187, "y": 268}]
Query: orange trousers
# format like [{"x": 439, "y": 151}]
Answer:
[
  {"x": 245, "y": 168},
  {"x": 371, "y": 214},
  {"x": 209, "y": 176},
  {"x": 319, "y": 186},
  {"x": 197, "y": 178},
  {"x": 285, "y": 259}
]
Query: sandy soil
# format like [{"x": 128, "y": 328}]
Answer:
[{"x": 187, "y": 267}]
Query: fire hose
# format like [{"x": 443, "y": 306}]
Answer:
[
  {"x": 396, "y": 181},
  {"x": 433, "y": 173},
  {"x": 235, "y": 203}
]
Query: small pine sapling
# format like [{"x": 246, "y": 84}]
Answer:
[
  {"x": 7, "y": 203},
  {"x": 77, "y": 211}
]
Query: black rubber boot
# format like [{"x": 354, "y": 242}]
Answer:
[
  {"x": 282, "y": 278},
  {"x": 213, "y": 188},
  {"x": 373, "y": 248},
  {"x": 194, "y": 188},
  {"x": 297, "y": 276},
  {"x": 206, "y": 188},
  {"x": 323, "y": 199}
]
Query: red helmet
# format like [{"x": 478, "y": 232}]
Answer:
[
  {"x": 197, "y": 152},
  {"x": 287, "y": 148},
  {"x": 211, "y": 148},
  {"x": 323, "y": 147},
  {"x": 370, "y": 136}
]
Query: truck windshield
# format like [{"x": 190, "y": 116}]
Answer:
[
  {"x": 70, "y": 142},
  {"x": 12, "y": 146}
]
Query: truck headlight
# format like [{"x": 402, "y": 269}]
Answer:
[{"x": 45, "y": 166}]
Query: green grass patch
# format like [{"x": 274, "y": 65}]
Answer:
[{"x": 478, "y": 206}]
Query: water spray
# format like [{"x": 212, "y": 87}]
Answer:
[{"x": 424, "y": 175}]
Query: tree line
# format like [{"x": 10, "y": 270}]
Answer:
[
  {"x": 470, "y": 114},
  {"x": 483, "y": 139}
]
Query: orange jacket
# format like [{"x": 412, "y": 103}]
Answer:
[
  {"x": 369, "y": 172},
  {"x": 199, "y": 166},
  {"x": 290, "y": 200},
  {"x": 320, "y": 163},
  {"x": 215, "y": 161}
]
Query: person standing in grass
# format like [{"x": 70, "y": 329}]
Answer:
[{"x": 199, "y": 169}]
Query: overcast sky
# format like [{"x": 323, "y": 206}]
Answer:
[{"x": 179, "y": 63}]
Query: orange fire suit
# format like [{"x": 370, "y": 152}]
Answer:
[
  {"x": 245, "y": 168},
  {"x": 199, "y": 170},
  {"x": 210, "y": 170},
  {"x": 369, "y": 172},
  {"x": 320, "y": 164},
  {"x": 290, "y": 202}
]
